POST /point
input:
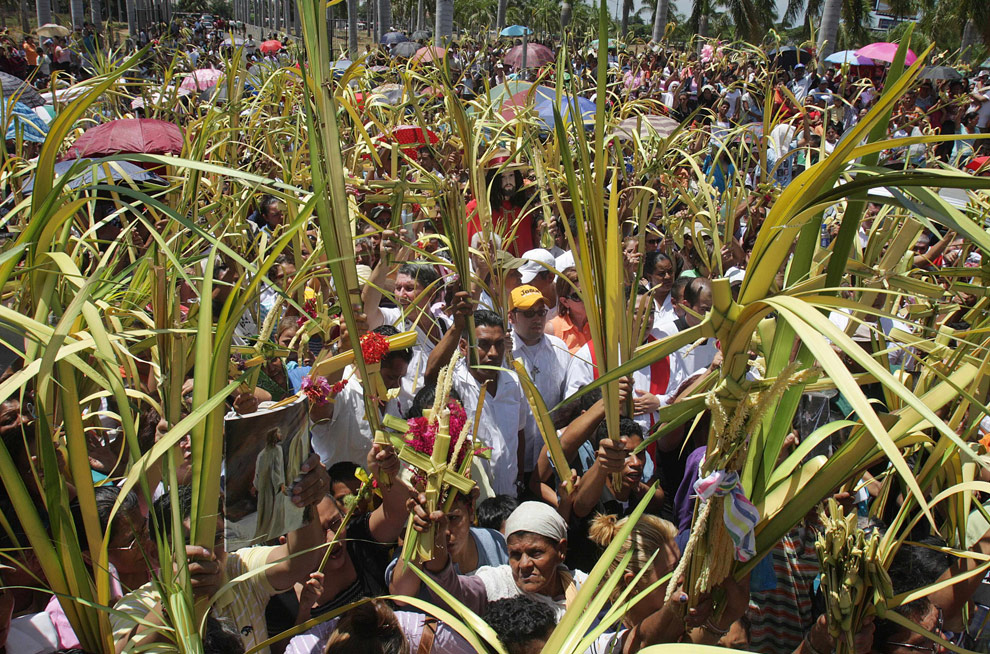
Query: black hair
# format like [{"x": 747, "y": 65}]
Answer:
[
  {"x": 221, "y": 637},
  {"x": 519, "y": 620},
  {"x": 342, "y": 472},
  {"x": 424, "y": 399},
  {"x": 635, "y": 290},
  {"x": 627, "y": 427},
  {"x": 266, "y": 203},
  {"x": 424, "y": 273},
  {"x": 404, "y": 354},
  {"x": 913, "y": 567},
  {"x": 651, "y": 260},
  {"x": 495, "y": 510},
  {"x": 162, "y": 509},
  {"x": 106, "y": 497},
  {"x": 488, "y": 318},
  {"x": 694, "y": 288},
  {"x": 495, "y": 196}
]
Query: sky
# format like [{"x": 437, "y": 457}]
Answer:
[{"x": 683, "y": 6}]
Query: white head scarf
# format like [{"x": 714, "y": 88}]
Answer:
[{"x": 536, "y": 518}]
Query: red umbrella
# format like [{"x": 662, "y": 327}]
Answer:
[
  {"x": 429, "y": 54},
  {"x": 127, "y": 136},
  {"x": 978, "y": 164},
  {"x": 414, "y": 136},
  {"x": 270, "y": 47},
  {"x": 536, "y": 56}
]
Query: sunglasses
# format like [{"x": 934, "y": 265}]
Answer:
[
  {"x": 932, "y": 647},
  {"x": 532, "y": 313}
]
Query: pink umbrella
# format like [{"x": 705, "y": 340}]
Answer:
[
  {"x": 127, "y": 135},
  {"x": 884, "y": 51},
  {"x": 202, "y": 79},
  {"x": 536, "y": 55},
  {"x": 428, "y": 54}
]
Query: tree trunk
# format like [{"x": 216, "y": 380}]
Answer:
[
  {"x": 132, "y": 26},
  {"x": 96, "y": 14},
  {"x": 829, "y": 28},
  {"x": 565, "y": 16},
  {"x": 445, "y": 22},
  {"x": 420, "y": 15},
  {"x": 25, "y": 17},
  {"x": 352, "y": 29},
  {"x": 384, "y": 18},
  {"x": 660, "y": 20},
  {"x": 499, "y": 16},
  {"x": 44, "y": 10},
  {"x": 624, "y": 21},
  {"x": 970, "y": 37}
]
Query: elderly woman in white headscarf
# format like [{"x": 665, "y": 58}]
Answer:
[{"x": 537, "y": 539}]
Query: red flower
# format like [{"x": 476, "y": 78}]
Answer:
[
  {"x": 374, "y": 347},
  {"x": 309, "y": 311},
  {"x": 422, "y": 435}
]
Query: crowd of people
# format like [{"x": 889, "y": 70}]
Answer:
[{"x": 518, "y": 547}]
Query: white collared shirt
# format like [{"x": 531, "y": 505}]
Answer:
[
  {"x": 546, "y": 364},
  {"x": 503, "y": 416}
]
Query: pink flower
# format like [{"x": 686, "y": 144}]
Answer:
[
  {"x": 317, "y": 390},
  {"x": 707, "y": 52}
]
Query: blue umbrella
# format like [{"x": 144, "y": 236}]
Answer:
[
  {"x": 848, "y": 57},
  {"x": 391, "y": 38},
  {"x": 585, "y": 110},
  {"x": 23, "y": 123},
  {"x": 516, "y": 31},
  {"x": 118, "y": 170}
]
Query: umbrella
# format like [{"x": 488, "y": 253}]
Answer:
[
  {"x": 940, "y": 72},
  {"x": 27, "y": 94},
  {"x": 127, "y": 135},
  {"x": 340, "y": 66},
  {"x": 612, "y": 45},
  {"x": 528, "y": 96},
  {"x": 157, "y": 97},
  {"x": 405, "y": 49},
  {"x": 270, "y": 47},
  {"x": 118, "y": 170},
  {"x": 413, "y": 136},
  {"x": 379, "y": 69},
  {"x": 429, "y": 54},
  {"x": 202, "y": 79},
  {"x": 387, "y": 94},
  {"x": 422, "y": 35},
  {"x": 544, "y": 110},
  {"x": 233, "y": 41},
  {"x": 261, "y": 71},
  {"x": 789, "y": 56},
  {"x": 883, "y": 51},
  {"x": 505, "y": 91},
  {"x": 848, "y": 57},
  {"x": 515, "y": 31},
  {"x": 394, "y": 38},
  {"x": 536, "y": 55},
  {"x": 51, "y": 30},
  {"x": 23, "y": 124},
  {"x": 646, "y": 126}
]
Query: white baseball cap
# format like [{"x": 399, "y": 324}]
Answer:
[{"x": 534, "y": 262}]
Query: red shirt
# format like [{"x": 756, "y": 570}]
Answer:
[{"x": 505, "y": 220}]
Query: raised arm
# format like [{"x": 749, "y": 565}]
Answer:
[
  {"x": 440, "y": 356},
  {"x": 387, "y": 521}
]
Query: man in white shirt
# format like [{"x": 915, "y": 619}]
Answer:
[
  {"x": 545, "y": 357},
  {"x": 504, "y": 410},
  {"x": 346, "y": 433},
  {"x": 802, "y": 83},
  {"x": 537, "y": 270},
  {"x": 698, "y": 300}
]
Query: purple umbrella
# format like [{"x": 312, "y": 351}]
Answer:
[{"x": 884, "y": 51}]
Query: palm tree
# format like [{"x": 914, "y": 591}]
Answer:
[
  {"x": 78, "y": 13},
  {"x": 500, "y": 16},
  {"x": 829, "y": 28},
  {"x": 384, "y": 17},
  {"x": 660, "y": 19},
  {"x": 565, "y": 16},
  {"x": 44, "y": 11},
  {"x": 352, "y": 29},
  {"x": 624, "y": 21},
  {"x": 25, "y": 18},
  {"x": 444, "y": 29}
]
